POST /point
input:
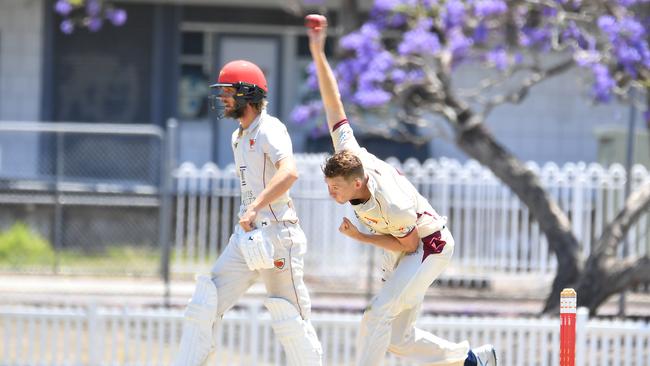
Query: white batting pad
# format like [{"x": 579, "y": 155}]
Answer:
[
  {"x": 256, "y": 249},
  {"x": 296, "y": 335},
  {"x": 196, "y": 341}
]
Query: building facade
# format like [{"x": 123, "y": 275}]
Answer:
[{"x": 159, "y": 63}]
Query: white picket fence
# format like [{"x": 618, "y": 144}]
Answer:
[
  {"x": 92, "y": 336},
  {"x": 494, "y": 231}
]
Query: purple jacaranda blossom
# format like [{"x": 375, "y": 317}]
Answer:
[
  {"x": 371, "y": 98},
  {"x": 376, "y": 72},
  {"x": 628, "y": 3},
  {"x": 420, "y": 40},
  {"x": 548, "y": 12},
  {"x": 370, "y": 79},
  {"x": 94, "y": 24},
  {"x": 453, "y": 14},
  {"x": 424, "y": 23},
  {"x": 481, "y": 33},
  {"x": 415, "y": 76},
  {"x": 385, "y": 6},
  {"x": 487, "y": 8},
  {"x": 304, "y": 113},
  {"x": 349, "y": 69},
  {"x": 319, "y": 130},
  {"x": 498, "y": 57},
  {"x": 607, "y": 47},
  {"x": 645, "y": 54},
  {"x": 347, "y": 72},
  {"x": 312, "y": 80},
  {"x": 631, "y": 29},
  {"x": 91, "y": 14},
  {"x": 603, "y": 83},
  {"x": 300, "y": 114},
  {"x": 116, "y": 16},
  {"x": 63, "y": 7},
  {"x": 535, "y": 37},
  {"x": 628, "y": 39},
  {"x": 607, "y": 24},
  {"x": 573, "y": 33},
  {"x": 365, "y": 42},
  {"x": 93, "y": 7},
  {"x": 627, "y": 55},
  {"x": 398, "y": 76},
  {"x": 458, "y": 43},
  {"x": 352, "y": 41},
  {"x": 396, "y": 20},
  {"x": 67, "y": 26},
  {"x": 385, "y": 13},
  {"x": 383, "y": 61}
]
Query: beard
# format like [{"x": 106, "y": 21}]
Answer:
[{"x": 235, "y": 113}]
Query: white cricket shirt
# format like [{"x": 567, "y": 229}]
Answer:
[
  {"x": 395, "y": 206},
  {"x": 257, "y": 149}
]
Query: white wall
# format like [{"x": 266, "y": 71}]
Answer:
[
  {"x": 21, "y": 52},
  {"x": 21, "y": 49}
]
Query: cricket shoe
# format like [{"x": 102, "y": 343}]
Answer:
[{"x": 485, "y": 355}]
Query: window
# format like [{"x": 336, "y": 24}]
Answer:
[{"x": 193, "y": 87}]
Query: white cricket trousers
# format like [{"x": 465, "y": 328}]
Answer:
[
  {"x": 232, "y": 277},
  {"x": 389, "y": 322}
]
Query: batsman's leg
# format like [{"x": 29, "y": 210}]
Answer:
[
  {"x": 230, "y": 278},
  {"x": 196, "y": 341},
  {"x": 289, "y": 303},
  {"x": 297, "y": 336}
]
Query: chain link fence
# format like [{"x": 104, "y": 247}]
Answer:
[{"x": 80, "y": 198}]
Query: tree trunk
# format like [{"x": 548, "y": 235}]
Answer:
[
  {"x": 603, "y": 266},
  {"x": 481, "y": 146}
]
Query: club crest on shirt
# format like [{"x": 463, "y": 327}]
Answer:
[
  {"x": 251, "y": 144},
  {"x": 278, "y": 263},
  {"x": 370, "y": 220}
]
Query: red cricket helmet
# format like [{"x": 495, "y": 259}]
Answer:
[{"x": 236, "y": 73}]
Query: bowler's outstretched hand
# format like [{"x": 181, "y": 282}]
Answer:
[{"x": 317, "y": 31}]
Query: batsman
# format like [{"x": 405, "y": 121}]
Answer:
[
  {"x": 416, "y": 242},
  {"x": 268, "y": 243}
]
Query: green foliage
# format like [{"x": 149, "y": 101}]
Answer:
[
  {"x": 21, "y": 246},
  {"x": 115, "y": 259},
  {"x": 24, "y": 249}
]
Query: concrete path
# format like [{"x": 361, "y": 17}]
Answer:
[{"x": 507, "y": 296}]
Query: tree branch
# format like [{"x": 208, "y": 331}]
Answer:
[
  {"x": 603, "y": 266},
  {"x": 637, "y": 204},
  {"x": 518, "y": 95},
  {"x": 629, "y": 273},
  {"x": 489, "y": 83}
]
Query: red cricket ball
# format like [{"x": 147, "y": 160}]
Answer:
[{"x": 315, "y": 21}]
